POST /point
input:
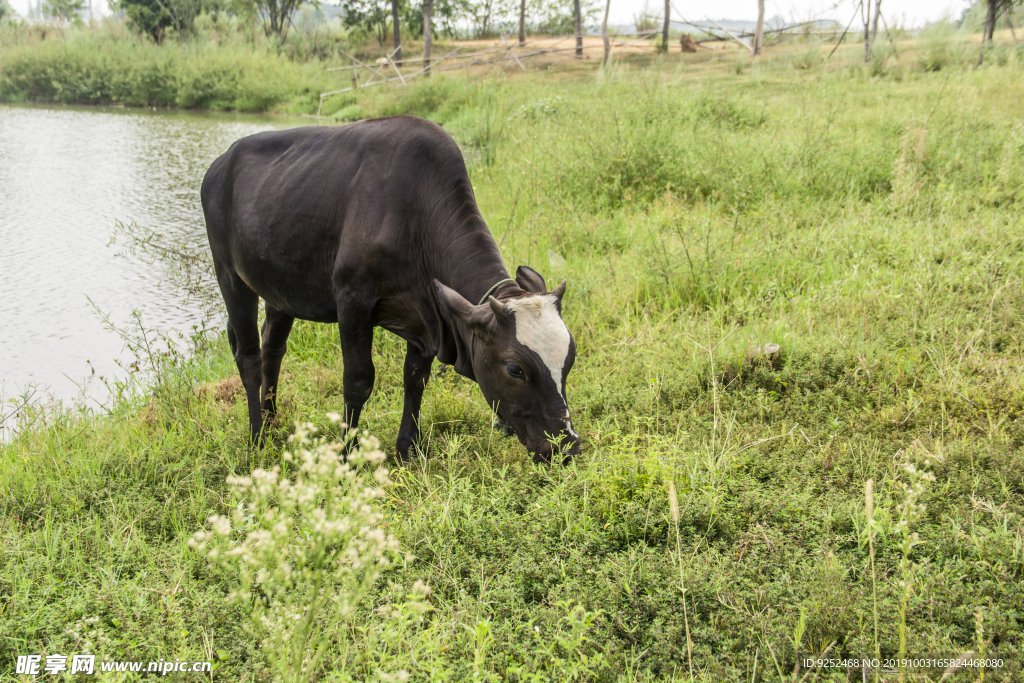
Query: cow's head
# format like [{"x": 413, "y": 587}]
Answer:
[{"x": 523, "y": 354}]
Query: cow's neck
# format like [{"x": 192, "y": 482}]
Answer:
[{"x": 472, "y": 265}]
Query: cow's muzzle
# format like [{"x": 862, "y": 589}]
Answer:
[{"x": 561, "y": 444}]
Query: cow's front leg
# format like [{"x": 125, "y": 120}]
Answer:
[
  {"x": 417, "y": 372},
  {"x": 356, "y": 327}
]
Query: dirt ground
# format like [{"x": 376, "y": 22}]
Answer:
[{"x": 556, "y": 54}]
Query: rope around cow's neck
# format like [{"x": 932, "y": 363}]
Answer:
[{"x": 472, "y": 338}]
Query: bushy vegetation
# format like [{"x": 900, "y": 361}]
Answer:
[
  {"x": 228, "y": 63},
  {"x": 5, "y": 10},
  {"x": 113, "y": 65},
  {"x": 871, "y": 226}
]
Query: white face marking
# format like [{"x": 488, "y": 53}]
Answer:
[{"x": 540, "y": 329}]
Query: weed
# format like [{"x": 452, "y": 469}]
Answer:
[{"x": 909, "y": 511}]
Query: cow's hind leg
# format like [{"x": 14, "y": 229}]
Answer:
[
  {"x": 356, "y": 327},
  {"x": 417, "y": 372},
  {"x": 244, "y": 337},
  {"x": 275, "y": 343}
]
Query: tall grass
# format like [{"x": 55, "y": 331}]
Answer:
[
  {"x": 99, "y": 68},
  {"x": 870, "y": 226},
  {"x": 229, "y": 64}
]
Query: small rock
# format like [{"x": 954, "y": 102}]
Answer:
[
  {"x": 768, "y": 353},
  {"x": 555, "y": 260}
]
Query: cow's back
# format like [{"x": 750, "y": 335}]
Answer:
[{"x": 298, "y": 213}]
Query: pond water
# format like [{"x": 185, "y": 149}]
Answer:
[{"x": 67, "y": 177}]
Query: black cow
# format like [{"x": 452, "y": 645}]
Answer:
[{"x": 375, "y": 224}]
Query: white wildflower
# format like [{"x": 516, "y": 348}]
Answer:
[{"x": 309, "y": 541}]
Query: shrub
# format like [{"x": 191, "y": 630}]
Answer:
[
  {"x": 941, "y": 46},
  {"x": 306, "y": 549}
]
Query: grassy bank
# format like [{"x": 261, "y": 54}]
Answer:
[
  {"x": 110, "y": 64},
  {"x": 226, "y": 66},
  {"x": 871, "y": 226},
  {"x": 232, "y": 66}
]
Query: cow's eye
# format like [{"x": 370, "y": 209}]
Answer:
[{"x": 514, "y": 370}]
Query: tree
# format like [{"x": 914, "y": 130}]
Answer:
[
  {"x": 993, "y": 9},
  {"x": 64, "y": 11},
  {"x": 865, "y": 14},
  {"x": 874, "y": 22},
  {"x": 989, "y": 29},
  {"x": 398, "y": 33},
  {"x": 5, "y": 10},
  {"x": 183, "y": 15},
  {"x": 372, "y": 15},
  {"x": 604, "y": 32},
  {"x": 411, "y": 17},
  {"x": 428, "y": 34},
  {"x": 450, "y": 13},
  {"x": 522, "y": 22},
  {"x": 503, "y": 17},
  {"x": 487, "y": 13},
  {"x": 759, "y": 31},
  {"x": 147, "y": 16},
  {"x": 556, "y": 18},
  {"x": 275, "y": 14},
  {"x": 446, "y": 14},
  {"x": 664, "y": 29},
  {"x": 578, "y": 25}
]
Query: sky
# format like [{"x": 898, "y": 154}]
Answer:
[
  {"x": 917, "y": 12},
  {"x": 910, "y": 13}
]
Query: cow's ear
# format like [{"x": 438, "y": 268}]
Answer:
[
  {"x": 474, "y": 317},
  {"x": 559, "y": 292},
  {"x": 530, "y": 280}
]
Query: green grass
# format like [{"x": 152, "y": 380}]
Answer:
[
  {"x": 112, "y": 65},
  {"x": 872, "y": 226},
  {"x": 226, "y": 66}
]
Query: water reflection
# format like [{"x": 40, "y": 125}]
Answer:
[{"x": 66, "y": 176}]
